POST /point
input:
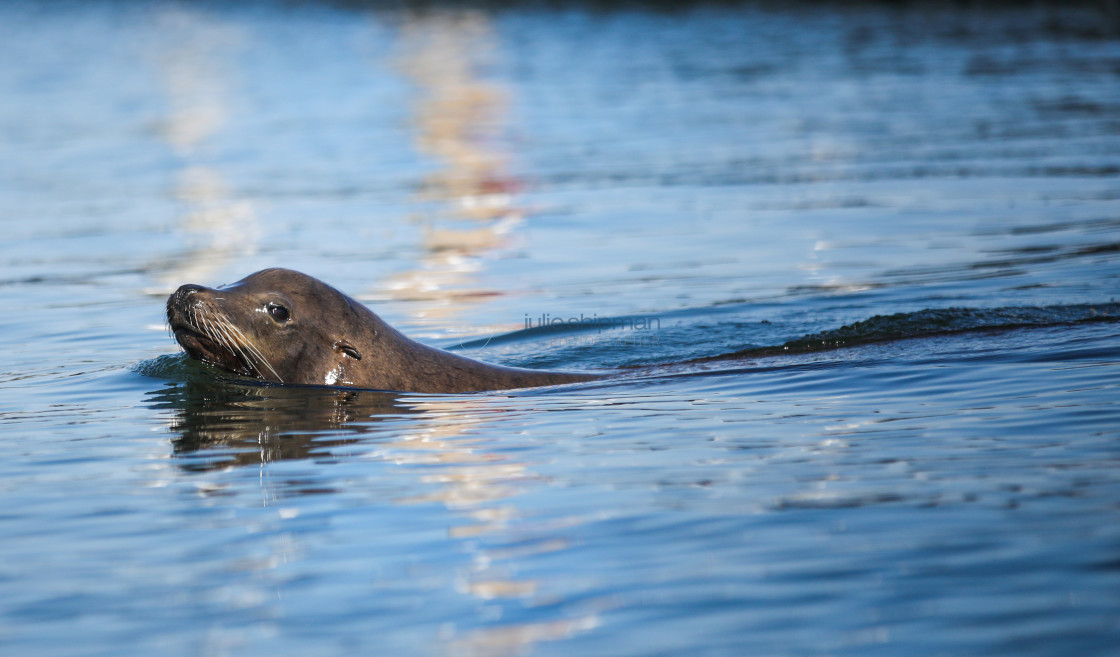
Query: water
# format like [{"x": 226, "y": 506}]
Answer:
[{"x": 904, "y": 222}]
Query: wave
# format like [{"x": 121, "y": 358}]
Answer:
[{"x": 932, "y": 322}]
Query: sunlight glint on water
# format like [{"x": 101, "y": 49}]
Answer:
[{"x": 932, "y": 190}]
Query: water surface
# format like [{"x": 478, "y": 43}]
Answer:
[{"x": 903, "y": 224}]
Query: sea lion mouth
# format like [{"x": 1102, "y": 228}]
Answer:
[{"x": 201, "y": 347}]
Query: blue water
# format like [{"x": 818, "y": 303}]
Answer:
[{"x": 855, "y": 273}]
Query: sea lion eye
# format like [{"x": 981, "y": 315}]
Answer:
[{"x": 278, "y": 312}]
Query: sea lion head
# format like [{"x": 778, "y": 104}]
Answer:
[{"x": 277, "y": 325}]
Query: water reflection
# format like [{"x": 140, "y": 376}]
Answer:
[
  {"x": 469, "y": 205},
  {"x": 193, "y": 58},
  {"x": 220, "y": 426},
  {"x": 447, "y": 445}
]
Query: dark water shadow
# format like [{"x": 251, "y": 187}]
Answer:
[{"x": 220, "y": 425}]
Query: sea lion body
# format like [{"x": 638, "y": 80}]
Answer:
[{"x": 283, "y": 326}]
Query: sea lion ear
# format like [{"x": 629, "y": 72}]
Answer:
[{"x": 346, "y": 348}]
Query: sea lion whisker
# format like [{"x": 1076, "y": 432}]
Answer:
[
  {"x": 197, "y": 315},
  {"x": 234, "y": 335},
  {"x": 264, "y": 361},
  {"x": 229, "y": 342},
  {"x": 198, "y": 322},
  {"x": 247, "y": 353},
  {"x": 218, "y": 333},
  {"x": 211, "y": 333},
  {"x": 221, "y": 324},
  {"x": 213, "y": 330},
  {"x": 250, "y": 346},
  {"x": 203, "y": 326}
]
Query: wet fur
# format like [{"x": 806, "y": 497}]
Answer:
[{"x": 330, "y": 339}]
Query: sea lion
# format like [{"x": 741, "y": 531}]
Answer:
[{"x": 282, "y": 326}]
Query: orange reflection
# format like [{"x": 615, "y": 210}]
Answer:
[
  {"x": 481, "y": 486},
  {"x": 459, "y": 120}
]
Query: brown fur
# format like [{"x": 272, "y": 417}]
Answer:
[{"x": 327, "y": 339}]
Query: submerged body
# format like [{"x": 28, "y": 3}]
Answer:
[{"x": 282, "y": 326}]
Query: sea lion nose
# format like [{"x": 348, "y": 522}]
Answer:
[
  {"x": 184, "y": 292},
  {"x": 177, "y": 302}
]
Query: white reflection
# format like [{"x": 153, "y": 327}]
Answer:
[
  {"x": 459, "y": 120},
  {"x": 481, "y": 486},
  {"x": 194, "y": 53}
]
